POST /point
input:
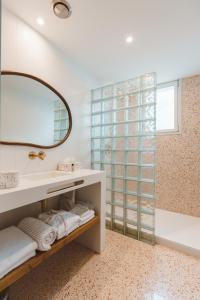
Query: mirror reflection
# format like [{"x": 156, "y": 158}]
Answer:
[{"x": 31, "y": 112}]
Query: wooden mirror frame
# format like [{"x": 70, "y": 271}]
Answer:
[{"x": 60, "y": 97}]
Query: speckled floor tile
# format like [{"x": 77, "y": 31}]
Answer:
[{"x": 126, "y": 270}]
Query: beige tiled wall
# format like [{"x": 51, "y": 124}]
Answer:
[{"x": 178, "y": 157}]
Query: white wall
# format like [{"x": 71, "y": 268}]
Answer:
[{"x": 25, "y": 50}]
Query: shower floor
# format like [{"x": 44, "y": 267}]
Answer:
[{"x": 179, "y": 231}]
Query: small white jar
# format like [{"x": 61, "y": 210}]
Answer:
[
  {"x": 9, "y": 179},
  {"x": 67, "y": 167}
]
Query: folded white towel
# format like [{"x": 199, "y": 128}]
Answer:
[
  {"x": 84, "y": 213},
  {"x": 16, "y": 247},
  {"x": 80, "y": 210},
  {"x": 87, "y": 217},
  {"x": 41, "y": 232},
  {"x": 64, "y": 222}
]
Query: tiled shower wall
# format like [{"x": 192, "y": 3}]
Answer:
[{"x": 178, "y": 157}]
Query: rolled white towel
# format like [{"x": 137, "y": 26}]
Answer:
[
  {"x": 53, "y": 219},
  {"x": 41, "y": 232}
]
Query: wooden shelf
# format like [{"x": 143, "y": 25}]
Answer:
[{"x": 32, "y": 263}]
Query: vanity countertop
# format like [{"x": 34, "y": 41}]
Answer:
[{"x": 33, "y": 190}]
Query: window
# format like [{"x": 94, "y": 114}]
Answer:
[{"x": 167, "y": 107}]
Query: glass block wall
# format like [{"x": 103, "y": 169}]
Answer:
[{"x": 123, "y": 144}]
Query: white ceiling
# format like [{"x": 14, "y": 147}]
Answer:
[{"x": 166, "y": 33}]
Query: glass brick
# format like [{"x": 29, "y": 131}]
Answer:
[
  {"x": 119, "y": 170},
  {"x": 118, "y": 198},
  {"x": 147, "y": 112},
  {"x": 108, "y": 169},
  {"x": 96, "y": 131},
  {"x": 119, "y": 156},
  {"x": 108, "y": 209},
  {"x": 107, "y": 118},
  {"x": 96, "y": 107},
  {"x": 147, "y": 173},
  {"x": 147, "y": 188},
  {"x": 147, "y": 220},
  {"x": 134, "y": 85},
  {"x": 133, "y": 128},
  {"x": 108, "y": 183},
  {"x": 118, "y": 184},
  {"x": 148, "y": 81},
  {"x": 134, "y": 100},
  {"x": 120, "y": 102},
  {"x": 118, "y": 212},
  {"x": 147, "y": 204},
  {"x": 120, "y": 116},
  {"x": 108, "y": 91},
  {"x": 107, "y": 144},
  {"x": 148, "y": 142},
  {"x": 108, "y": 196},
  {"x": 132, "y": 142},
  {"x": 119, "y": 130},
  {"x": 147, "y": 157},
  {"x": 133, "y": 114},
  {"x": 96, "y": 119},
  {"x": 96, "y": 166},
  {"x": 96, "y": 94},
  {"x": 107, "y": 105},
  {"x": 107, "y": 156},
  {"x": 148, "y": 97},
  {"x": 131, "y": 186},
  {"x": 132, "y": 157},
  {"x": 96, "y": 156},
  {"x": 148, "y": 127},
  {"x": 119, "y": 143},
  {"x": 131, "y": 216},
  {"x": 132, "y": 171},
  {"x": 96, "y": 144},
  {"x": 131, "y": 201},
  {"x": 107, "y": 130}
]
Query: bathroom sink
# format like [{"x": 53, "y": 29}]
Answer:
[{"x": 44, "y": 175}]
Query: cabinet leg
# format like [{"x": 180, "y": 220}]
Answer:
[{"x": 44, "y": 205}]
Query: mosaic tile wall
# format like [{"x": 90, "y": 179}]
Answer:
[{"x": 178, "y": 157}]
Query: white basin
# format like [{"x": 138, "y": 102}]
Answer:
[{"x": 44, "y": 175}]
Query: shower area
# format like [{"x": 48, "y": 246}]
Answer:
[{"x": 123, "y": 144}]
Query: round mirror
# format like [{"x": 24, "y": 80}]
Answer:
[{"x": 32, "y": 113}]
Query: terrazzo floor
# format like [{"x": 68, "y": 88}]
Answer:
[{"x": 126, "y": 270}]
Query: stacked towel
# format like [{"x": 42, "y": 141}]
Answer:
[
  {"x": 83, "y": 212},
  {"x": 16, "y": 247},
  {"x": 42, "y": 233},
  {"x": 64, "y": 222}
]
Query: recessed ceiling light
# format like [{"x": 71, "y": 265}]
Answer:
[
  {"x": 129, "y": 39},
  {"x": 40, "y": 21}
]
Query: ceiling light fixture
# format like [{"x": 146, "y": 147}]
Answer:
[
  {"x": 40, "y": 21},
  {"x": 62, "y": 9},
  {"x": 129, "y": 39}
]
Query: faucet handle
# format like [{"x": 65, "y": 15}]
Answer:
[{"x": 42, "y": 155}]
